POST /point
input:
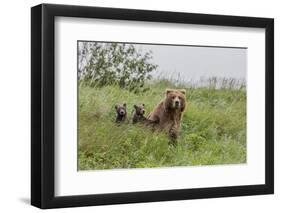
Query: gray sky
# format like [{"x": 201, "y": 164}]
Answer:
[{"x": 192, "y": 63}]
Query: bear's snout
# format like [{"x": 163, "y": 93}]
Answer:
[{"x": 177, "y": 102}]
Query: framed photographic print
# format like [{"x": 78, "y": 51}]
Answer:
[{"x": 139, "y": 106}]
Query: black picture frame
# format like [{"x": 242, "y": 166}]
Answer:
[{"x": 43, "y": 102}]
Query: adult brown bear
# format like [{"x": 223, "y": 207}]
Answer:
[{"x": 167, "y": 115}]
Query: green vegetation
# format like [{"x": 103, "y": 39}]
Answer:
[
  {"x": 114, "y": 63},
  {"x": 213, "y": 129}
]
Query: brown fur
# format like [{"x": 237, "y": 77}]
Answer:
[
  {"x": 168, "y": 114},
  {"x": 121, "y": 113},
  {"x": 138, "y": 116}
]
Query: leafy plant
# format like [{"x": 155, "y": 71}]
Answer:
[{"x": 102, "y": 64}]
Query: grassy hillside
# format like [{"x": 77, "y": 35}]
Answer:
[{"x": 213, "y": 129}]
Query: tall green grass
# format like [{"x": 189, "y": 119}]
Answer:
[{"x": 213, "y": 129}]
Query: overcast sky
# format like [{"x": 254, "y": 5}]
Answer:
[
  {"x": 195, "y": 62},
  {"x": 192, "y": 63}
]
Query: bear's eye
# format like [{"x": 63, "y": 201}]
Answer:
[{"x": 174, "y": 97}]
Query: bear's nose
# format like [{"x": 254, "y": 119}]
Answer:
[
  {"x": 143, "y": 111},
  {"x": 177, "y": 102},
  {"x": 122, "y": 112}
]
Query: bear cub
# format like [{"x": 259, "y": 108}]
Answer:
[
  {"x": 121, "y": 113},
  {"x": 139, "y": 114}
]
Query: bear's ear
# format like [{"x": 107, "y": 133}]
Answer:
[
  {"x": 135, "y": 106},
  {"x": 183, "y": 91},
  {"x": 124, "y": 105},
  {"x": 116, "y": 106},
  {"x": 168, "y": 91},
  {"x": 143, "y": 105}
]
